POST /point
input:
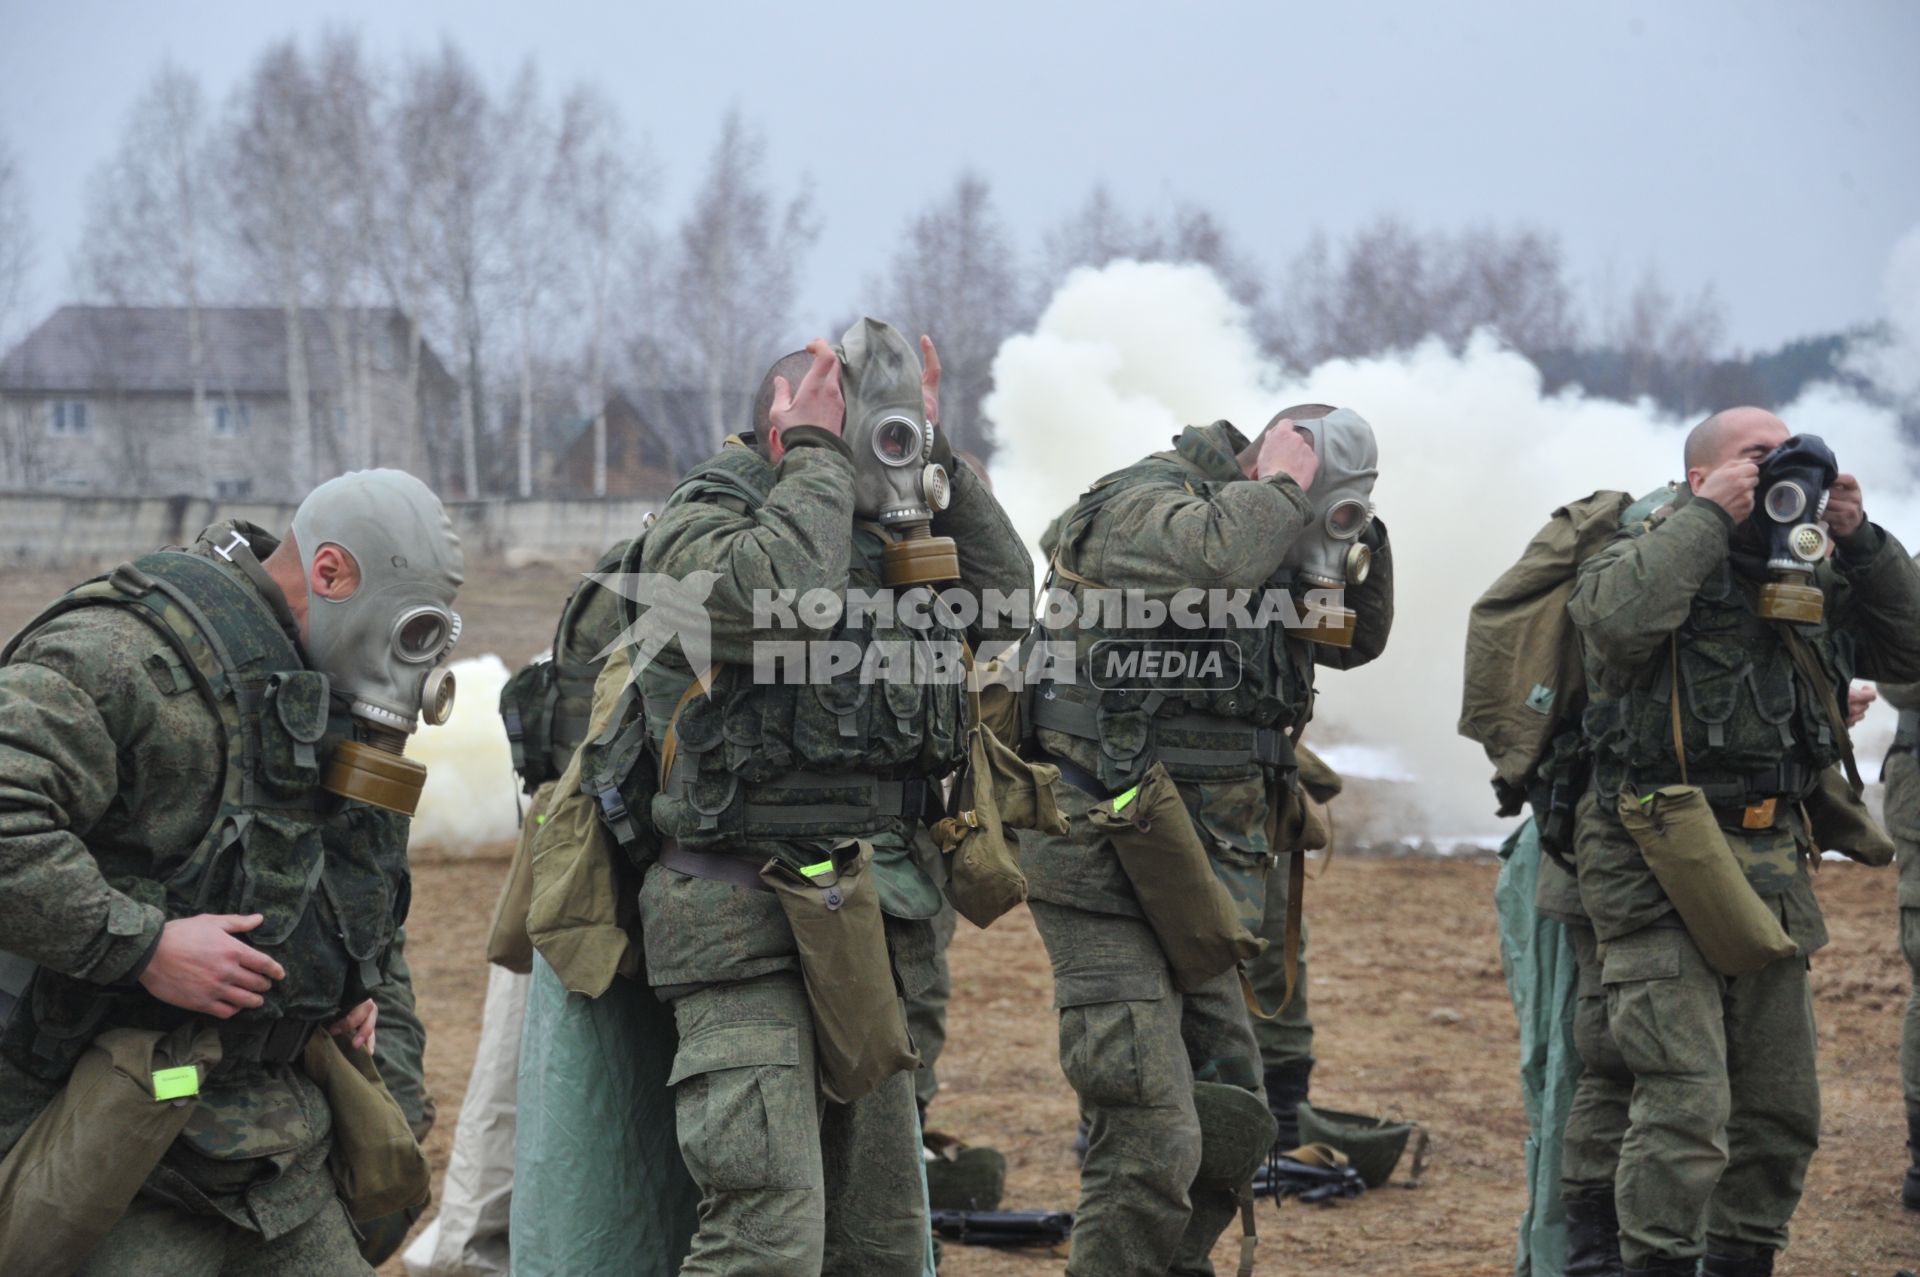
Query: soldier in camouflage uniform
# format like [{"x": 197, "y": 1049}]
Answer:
[
  {"x": 1903, "y": 823},
  {"x": 167, "y": 852},
  {"x": 1213, "y": 512},
  {"x": 402, "y": 1061},
  {"x": 791, "y": 1183},
  {"x": 1724, "y": 1110}
]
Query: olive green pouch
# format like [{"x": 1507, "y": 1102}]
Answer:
[
  {"x": 377, "y": 1164},
  {"x": 859, "y": 1029},
  {"x": 1683, "y": 846},
  {"x": 508, "y": 944},
  {"x": 1000, "y": 791},
  {"x": 77, "y": 1167},
  {"x": 1190, "y": 912},
  {"x": 1838, "y": 820},
  {"x": 1371, "y": 1145}
]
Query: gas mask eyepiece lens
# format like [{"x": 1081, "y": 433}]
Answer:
[
  {"x": 424, "y": 634},
  {"x": 898, "y": 441},
  {"x": 1785, "y": 502},
  {"x": 1347, "y": 519}
]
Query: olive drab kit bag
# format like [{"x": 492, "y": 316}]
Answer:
[
  {"x": 1525, "y": 684},
  {"x": 328, "y": 876}
]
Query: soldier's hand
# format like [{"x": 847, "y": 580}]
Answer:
[
  {"x": 1844, "y": 513},
  {"x": 357, "y": 1025},
  {"x": 201, "y": 966},
  {"x": 817, "y": 400},
  {"x": 930, "y": 380},
  {"x": 1732, "y": 486},
  {"x": 1284, "y": 450},
  {"x": 1859, "y": 697}
]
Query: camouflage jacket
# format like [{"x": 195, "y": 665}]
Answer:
[
  {"x": 1902, "y": 810},
  {"x": 1651, "y": 583},
  {"x": 1216, "y": 529},
  {"x": 800, "y": 538},
  {"x": 111, "y": 771}
]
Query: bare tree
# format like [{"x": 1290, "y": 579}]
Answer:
[
  {"x": 1101, "y": 231},
  {"x": 956, "y": 277},
  {"x": 16, "y": 244},
  {"x": 148, "y": 236},
  {"x": 597, "y": 187},
  {"x": 1668, "y": 341},
  {"x": 735, "y": 273}
]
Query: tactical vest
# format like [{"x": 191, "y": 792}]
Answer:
[
  {"x": 329, "y": 876},
  {"x": 1752, "y": 724},
  {"x": 546, "y": 705},
  {"x": 746, "y": 764},
  {"x": 1199, "y": 733}
]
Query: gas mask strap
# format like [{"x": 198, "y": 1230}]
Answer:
[
  {"x": 1829, "y": 701},
  {"x": 239, "y": 552}
]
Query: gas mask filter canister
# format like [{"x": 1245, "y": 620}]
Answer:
[
  {"x": 1328, "y": 554},
  {"x": 381, "y": 645},
  {"x": 1794, "y": 482},
  {"x": 896, "y": 482}
]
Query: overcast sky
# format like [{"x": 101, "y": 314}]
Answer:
[{"x": 1770, "y": 149}]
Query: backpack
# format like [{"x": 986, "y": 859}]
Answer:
[{"x": 1525, "y": 684}]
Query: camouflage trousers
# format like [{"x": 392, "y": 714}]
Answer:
[
  {"x": 1132, "y": 1047},
  {"x": 927, "y": 1010},
  {"x": 1597, "y": 1117},
  {"x": 1725, "y": 1107},
  {"x": 1910, "y": 946},
  {"x": 155, "y": 1238},
  {"x": 400, "y": 1048},
  {"x": 790, "y": 1185},
  {"x": 1288, "y": 1036}
]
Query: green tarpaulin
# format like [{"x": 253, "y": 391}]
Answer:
[{"x": 1542, "y": 981}]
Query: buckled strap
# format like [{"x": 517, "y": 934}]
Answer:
[
  {"x": 1068, "y": 714},
  {"x": 715, "y": 868},
  {"x": 265, "y": 1042}
]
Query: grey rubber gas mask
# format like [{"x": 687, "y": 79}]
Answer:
[
  {"x": 382, "y": 645},
  {"x": 896, "y": 483},
  {"x": 1328, "y": 553}
]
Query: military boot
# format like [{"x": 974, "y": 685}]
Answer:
[
  {"x": 1760, "y": 1265},
  {"x": 1659, "y": 1266},
  {"x": 1910, "y": 1191},
  {"x": 1286, "y": 1088},
  {"x": 1593, "y": 1233}
]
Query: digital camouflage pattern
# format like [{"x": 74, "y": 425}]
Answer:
[
  {"x": 785, "y": 1178},
  {"x": 1903, "y": 824},
  {"x": 1181, "y": 519},
  {"x": 1724, "y": 1107},
  {"x": 153, "y": 1238},
  {"x": 114, "y": 769}
]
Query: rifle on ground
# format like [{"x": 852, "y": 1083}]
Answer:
[
  {"x": 1004, "y": 1227},
  {"x": 1286, "y": 1177}
]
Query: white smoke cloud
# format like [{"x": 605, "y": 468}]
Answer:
[
  {"x": 1473, "y": 459},
  {"x": 469, "y": 799}
]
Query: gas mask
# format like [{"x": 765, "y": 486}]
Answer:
[
  {"x": 1792, "y": 495},
  {"x": 896, "y": 483},
  {"x": 1328, "y": 555},
  {"x": 380, "y": 645}
]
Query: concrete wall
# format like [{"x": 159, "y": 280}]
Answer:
[{"x": 40, "y": 530}]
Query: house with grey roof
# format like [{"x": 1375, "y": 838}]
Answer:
[{"x": 233, "y": 402}]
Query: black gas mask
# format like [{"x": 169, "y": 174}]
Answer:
[{"x": 1792, "y": 495}]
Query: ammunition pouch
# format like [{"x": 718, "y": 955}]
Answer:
[
  {"x": 1563, "y": 776},
  {"x": 1187, "y": 908},
  {"x": 999, "y": 792},
  {"x": 1680, "y": 838},
  {"x": 859, "y": 1026},
  {"x": 1838, "y": 820}
]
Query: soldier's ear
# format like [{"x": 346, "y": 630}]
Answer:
[{"x": 335, "y": 573}]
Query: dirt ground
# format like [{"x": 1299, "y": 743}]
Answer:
[{"x": 1395, "y": 942}]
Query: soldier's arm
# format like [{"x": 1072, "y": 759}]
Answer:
[
  {"x": 1635, "y": 592},
  {"x": 798, "y": 540},
  {"x": 1163, "y": 538},
  {"x": 1900, "y": 695},
  {"x": 1372, "y": 604},
  {"x": 68, "y": 701},
  {"x": 1883, "y": 603},
  {"x": 992, "y": 556}
]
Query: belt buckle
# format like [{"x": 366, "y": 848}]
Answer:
[{"x": 1759, "y": 815}]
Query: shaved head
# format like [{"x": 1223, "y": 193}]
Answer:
[{"x": 1732, "y": 433}]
